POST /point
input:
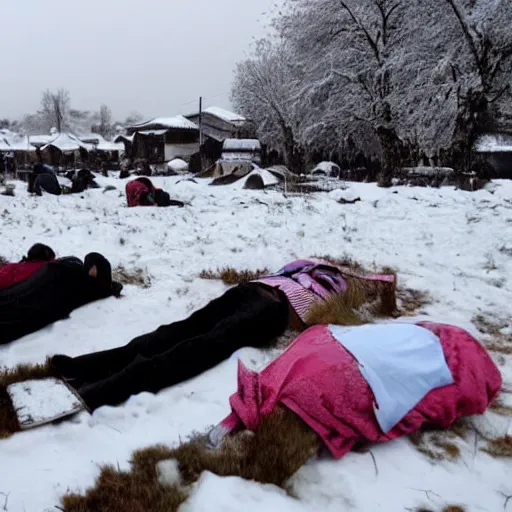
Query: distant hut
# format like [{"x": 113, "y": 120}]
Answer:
[
  {"x": 495, "y": 151},
  {"x": 164, "y": 138},
  {"x": 219, "y": 124},
  {"x": 65, "y": 149}
]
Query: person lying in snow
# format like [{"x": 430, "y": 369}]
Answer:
[
  {"x": 81, "y": 180},
  {"x": 335, "y": 387},
  {"x": 52, "y": 293},
  {"x": 12, "y": 273},
  {"x": 43, "y": 178},
  {"x": 251, "y": 314},
  {"x": 142, "y": 192}
]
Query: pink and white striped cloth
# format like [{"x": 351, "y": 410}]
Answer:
[{"x": 307, "y": 282}]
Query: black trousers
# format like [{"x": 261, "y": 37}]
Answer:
[
  {"x": 51, "y": 293},
  {"x": 46, "y": 181},
  {"x": 247, "y": 315}
]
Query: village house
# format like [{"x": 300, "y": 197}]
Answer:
[
  {"x": 496, "y": 151},
  {"x": 163, "y": 139},
  {"x": 217, "y": 125}
]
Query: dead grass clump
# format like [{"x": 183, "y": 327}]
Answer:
[
  {"x": 501, "y": 447},
  {"x": 454, "y": 508},
  {"x": 350, "y": 263},
  {"x": 410, "y": 301},
  {"x": 499, "y": 347},
  {"x": 135, "y": 276},
  {"x": 499, "y": 407},
  {"x": 231, "y": 276},
  {"x": 357, "y": 305},
  {"x": 440, "y": 445},
  {"x": 136, "y": 490},
  {"x": 489, "y": 325},
  {"x": 492, "y": 327},
  {"x": 281, "y": 445},
  {"x": 8, "y": 419}
]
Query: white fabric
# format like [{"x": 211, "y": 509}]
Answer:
[{"x": 402, "y": 363}]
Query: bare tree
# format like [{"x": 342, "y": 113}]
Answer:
[
  {"x": 483, "y": 69},
  {"x": 104, "y": 122},
  {"x": 54, "y": 108},
  {"x": 264, "y": 90}
]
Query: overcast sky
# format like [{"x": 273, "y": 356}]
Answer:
[{"x": 154, "y": 56}]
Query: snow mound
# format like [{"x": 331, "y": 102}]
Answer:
[
  {"x": 178, "y": 165},
  {"x": 327, "y": 169},
  {"x": 226, "y": 495},
  {"x": 267, "y": 178},
  {"x": 168, "y": 472}
]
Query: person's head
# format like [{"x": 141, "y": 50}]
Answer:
[
  {"x": 98, "y": 267},
  {"x": 40, "y": 252}
]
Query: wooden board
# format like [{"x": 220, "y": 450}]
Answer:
[{"x": 38, "y": 402}]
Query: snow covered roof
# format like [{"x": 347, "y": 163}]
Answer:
[
  {"x": 92, "y": 138},
  {"x": 120, "y": 138},
  {"x": 177, "y": 122},
  {"x": 4, "y": 145},
  {"x": 40, "y": 140},
  {"x": 224, "y": 114},
  {"x": 500, "y": 143},
  {"x": 152, "y": 132},
  {"x": 21, "y": 143},
  {"x": 106, "y": 145},
  {"x": 67, "y": 142},
  {"x": 241, "y": 145},
  {"x": 10, "y": 141}
]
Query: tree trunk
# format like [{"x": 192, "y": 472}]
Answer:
[
  {"x": 472, "y": 119},
  {"x": 294, "y": 154},
  {"x": 390, "y": 147}
]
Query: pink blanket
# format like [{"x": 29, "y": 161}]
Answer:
[{"x": 320, "y": 381}]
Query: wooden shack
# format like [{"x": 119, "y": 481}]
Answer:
[{"x": 164, "y": 138}]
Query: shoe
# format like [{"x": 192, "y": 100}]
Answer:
[
  {"x": 64, "y": 366},
  {"x": 116, "y": 288}
]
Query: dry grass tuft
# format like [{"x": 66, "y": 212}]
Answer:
[
  {"x": 411, "y": 302},
  {"x": 281, "y": 445},
  {"x": 499, "y": 407},
  {"x": 359, "y": 304},
  {"x": 135, "y": 276},
  {"x": 492, "y": 327},
  {"x": 344, "y": 261},
  {"x": 231, "y": 276},
  {"x": 8, "y": 419},
  {"x": 449, "y": 508},
  {"x": 440, "y": 445},
  {"x": 408, "y": 302},
  {"x": 134, "y": 491},
  {"x": 501, "y": 447}
]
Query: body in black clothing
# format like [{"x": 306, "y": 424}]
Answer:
[
  {"x": 250, "y": 314},
  {"x": 43, "y": 178},
  {"x": 52, "y": 293}
]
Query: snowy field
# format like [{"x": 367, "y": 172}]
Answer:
[{"x": 455, "y": 245}]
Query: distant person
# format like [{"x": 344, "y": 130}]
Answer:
[
  {"x": 43, "y": 178},
  {"x": 52, "y": 293},
  {"x": 81, "y": 180},
  {"x": 142, "y": 192},
  {"x": 37, "y": 257}
]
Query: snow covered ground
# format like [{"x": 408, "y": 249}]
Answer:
[{"x": 456, "y": 245}]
